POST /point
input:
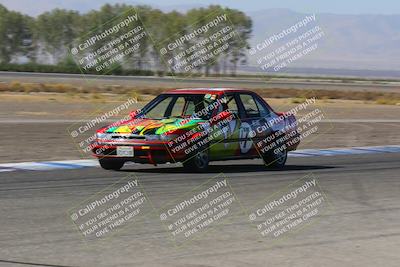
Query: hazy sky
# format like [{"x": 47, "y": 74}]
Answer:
[{"x": 35, "y": 7}]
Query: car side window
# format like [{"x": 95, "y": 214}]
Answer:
[
  {"x": 190, "y": 108},
  {"x": 183, "y": 106},
  {"x": 264, "y": 111},
  {"x": 232, "y": 105},
  {"x": 250, "y": 106},
  {"x": 177, "y": 109}
]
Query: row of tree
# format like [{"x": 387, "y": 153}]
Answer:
[{"x": 48, "y": 38}]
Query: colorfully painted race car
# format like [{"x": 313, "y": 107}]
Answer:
[{"x": 196, "y": 126}]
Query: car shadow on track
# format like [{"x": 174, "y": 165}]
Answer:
[{"x": 237, "y": 168}]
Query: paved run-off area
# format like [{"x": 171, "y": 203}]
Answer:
[{"x": 361, "y": 227}]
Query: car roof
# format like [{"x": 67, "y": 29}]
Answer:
[{"x": 205, "y": 90}]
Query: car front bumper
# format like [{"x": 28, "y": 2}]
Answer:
[{"x": 144, "y": 151}]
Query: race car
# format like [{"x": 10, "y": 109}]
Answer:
[{"x": 196, "y": 126}]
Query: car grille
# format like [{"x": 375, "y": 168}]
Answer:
[{"x": 128, "y": 136}]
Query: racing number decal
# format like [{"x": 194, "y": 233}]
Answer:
[
  {"x": 244, "y": 133},
  {"x": 228, "y": 130}
]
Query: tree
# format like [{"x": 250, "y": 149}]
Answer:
[
  {"x": 243, "y": 26},
  {"x": 15, "y": 35},
  {"x": 51, "y": 36},
  {"x": 235, "y": 52},
  {"x": 55, "y": 31}
]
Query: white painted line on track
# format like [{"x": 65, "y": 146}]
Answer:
[{"x": 84, "y": 163}]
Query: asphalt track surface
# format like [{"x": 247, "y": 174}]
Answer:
[
  {"x": 361, "y": 227},
  {"x": 171, "y": 82}
]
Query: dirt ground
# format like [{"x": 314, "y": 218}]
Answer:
[{"x": 36, "y": 127}]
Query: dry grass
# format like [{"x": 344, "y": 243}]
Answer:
[
  {"x": 326, "y": 95},
  {"x": 296, "y": 95},
  {"x": 387, "y": 101},
  {"x": 297, "y": 100}
]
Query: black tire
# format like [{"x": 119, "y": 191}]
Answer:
[
  {"x": 197, "y": 162},
  {"x": 111, "y": 164},
  {"x": 274, "y": 160}
]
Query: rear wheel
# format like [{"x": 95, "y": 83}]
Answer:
[
  {"x": 111, "y": 164},
  {"x": 275, "y": 160},
  {"x": 198, "y": 162}
]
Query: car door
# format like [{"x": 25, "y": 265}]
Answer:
[
  {"x": 254, "y": 123},
  {"x": 226, "y": 144}
]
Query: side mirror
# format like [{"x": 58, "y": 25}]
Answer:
[
  {"x": 227, "y": 113},
  {"x": 222, "y": 116},
  {"x": 134, "y": 114}
]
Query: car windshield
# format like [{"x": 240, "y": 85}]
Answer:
[{"x": 165, "y": 106}]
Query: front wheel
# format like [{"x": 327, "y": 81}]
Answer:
[
  {"x": 276, "y": 160},
  {"x": 111, "y": 164},
  {"x": 197, "y": 163}
]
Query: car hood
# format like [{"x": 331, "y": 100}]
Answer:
[{"x": 152, "y": 126}]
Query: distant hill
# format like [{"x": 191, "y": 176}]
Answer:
[{"x": 350, "y": 42}]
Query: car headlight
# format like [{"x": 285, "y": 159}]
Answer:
[
  {"x": 161, "y": 137},
  {"x": 102, "y": 135},
  {"x": 169, "y": 137},
  {"x": 153, "y": 137}
]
